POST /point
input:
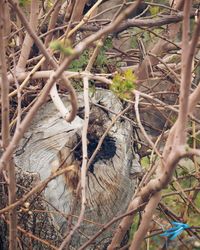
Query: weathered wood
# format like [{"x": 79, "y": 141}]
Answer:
[
  {"x": 109, "y": 183},
  {"x": 33, "y": 219}
]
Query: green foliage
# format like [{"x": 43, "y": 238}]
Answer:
[
  {"x": 154, "y": 10},
  {"x": 49, "y": 4},
  {"x": 134, "y": 43},
  {"x": 176, "y": 201},
  {"x": 80, "y": 63},
  {"x": 107, "y": 44},
  {"x": 134, "y": 226},
  {"x": 123, "y": 84},
  {"x": 22, "y": 3},
  {"x": 145, "y": 161},
  {"x": 147, "y": 36},
  {"x": 173, "y": 118},
  {"x": 61, "y": 46},
  {"x": 191, "y": 139},
  {"x": 101, "y": 58},
  {"x": 92, "y": 89}
]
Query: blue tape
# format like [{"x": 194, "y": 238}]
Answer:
[{"x": 177, "y": 229}]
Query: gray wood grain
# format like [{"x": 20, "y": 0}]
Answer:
[{"x": 109, "y": 186}]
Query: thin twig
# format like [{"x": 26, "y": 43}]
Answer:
[
  {"x": 105, "y": 133},
  {"x": 77, "y": 51},
  {"x": 37, "y": 189},
  {"x": 50, "y": 60},
  {"x": 137, "y": 95},
  {"x": 31, "y": 236},
  {"x": 84, "y": 164},
  {"x": 106, "y": 226}
]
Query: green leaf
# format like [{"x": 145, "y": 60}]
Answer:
[
  {"x": 134, "y": 226},
  {"x": 55, "y": 45},
  {"x": 22, "y": 3},
  {"x": 101, "y": 58},
  {"x": 108, "y": 43},
  {"x": 63, "y": 47},
  {"x": 124, "y": 84},
  {"x": 80, "y": 63},
  {"x": 154, "y": 10},
  {"x": 128, "y": 74},
  {"x": 145, "y": 162}
]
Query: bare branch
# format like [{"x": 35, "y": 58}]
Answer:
[
  {"x": 105, "y": 227},
  {"x": 171, "y": 155},
  {"x": 5, "y": 131},
  {"x": 52, "y": 21},
  {"x": 4, "y": 84},
  {"x": 85, "y": 18},
  {"x": 84, "y": 164},
  {"x": 137, "y": 96},
  {"x": 159, "y": 48},
  {"x": 43, "y": 74},
  {"x": 37, "y": 189},
  {"x": 28, "y": 41},
  {"x": 155, "y": 22},
  {"x": 194, "y": 97},
  {"x": 77, "y": 51},
  {"x": 50, "y": 60},
  {"x": 7, "y": 19},
  {"x": 186, "y": 73},
  {"x": 146, "y": 219}
]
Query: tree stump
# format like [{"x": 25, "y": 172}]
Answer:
[
  {"x": 36, "y": 229},
  {"x": 49, "y": 143}
]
